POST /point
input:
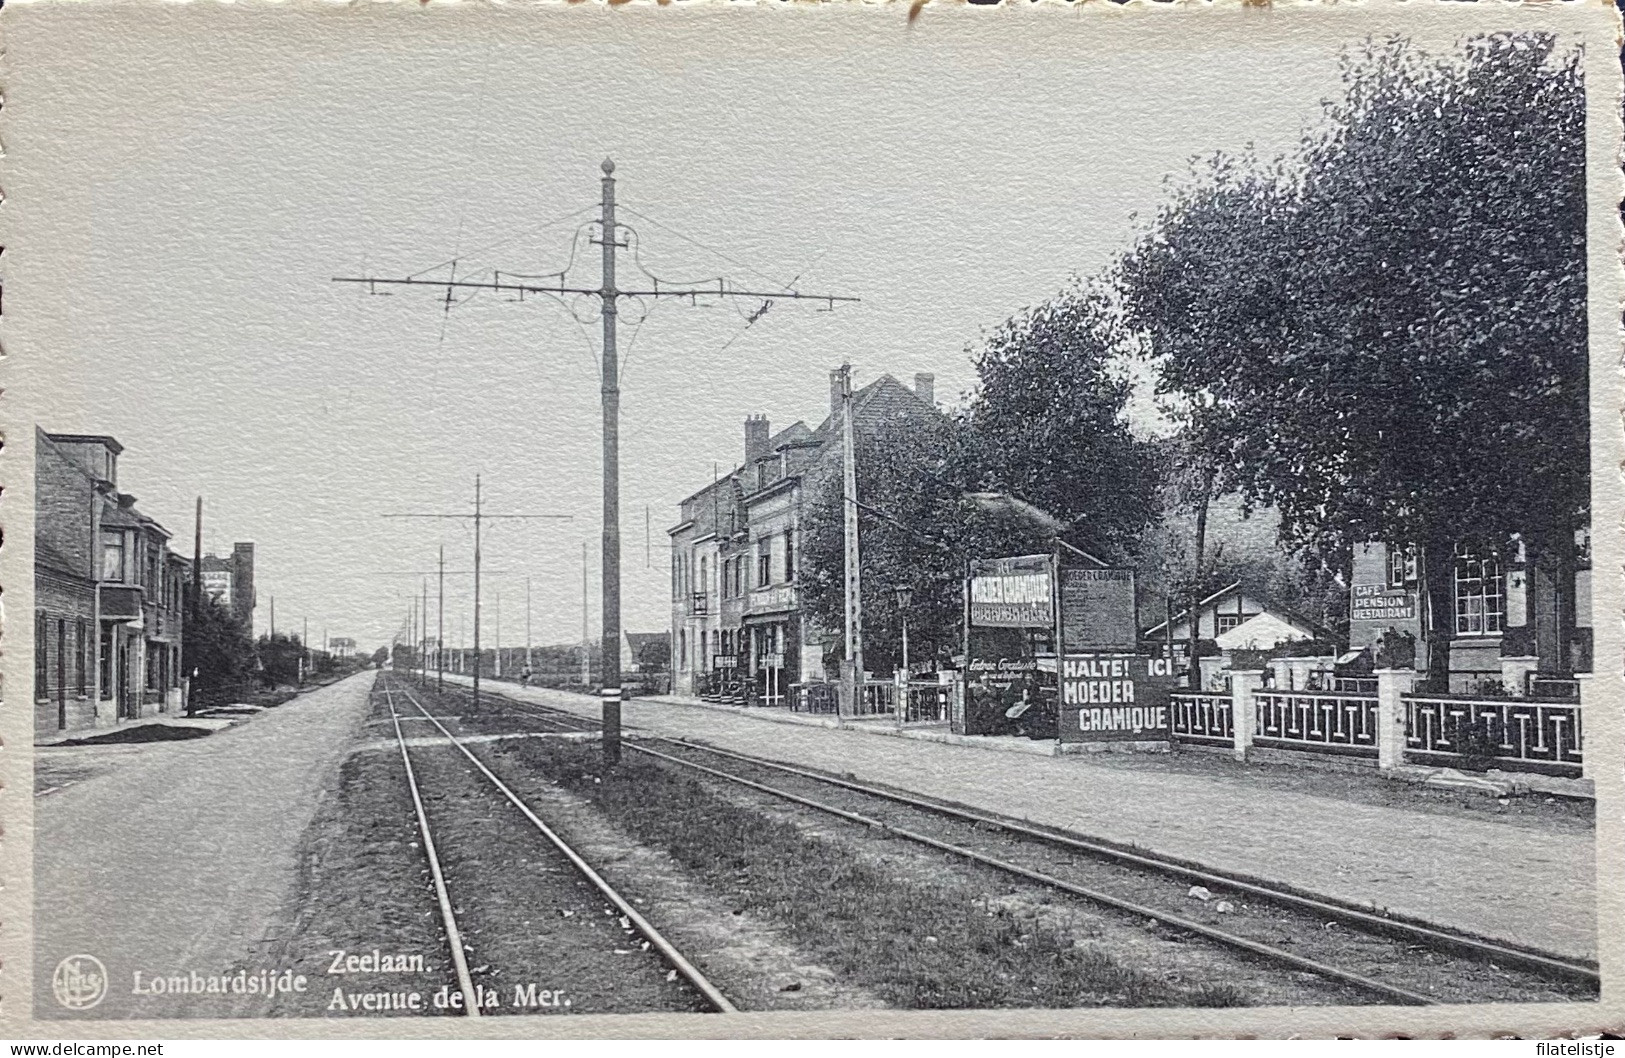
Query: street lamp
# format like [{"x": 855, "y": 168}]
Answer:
[{"x": 903, "y": 594}]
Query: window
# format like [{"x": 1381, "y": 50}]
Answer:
[
  {"x": 705, "y": 576},
  {"x": 764, "y": 565},
  {"x": 81, "y": 671},
  {"x": 789, "y": 557},
  {"x": 1227, "y": 621},
  {"x": 1480, "y": 594},
  {"x": 1401, "y": 566},
  {"x": 42, "y": 656},
  {"x": 113, "y": 555}
]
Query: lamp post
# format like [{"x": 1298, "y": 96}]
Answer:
[{"x": 903, "y": 594}]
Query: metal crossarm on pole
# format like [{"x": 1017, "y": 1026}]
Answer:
[{"x": 609, "y": 295}]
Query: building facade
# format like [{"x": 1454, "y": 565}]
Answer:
[
  {"x": 229, "y": 581},
  {"x": 109, "y": 594},
  {"x": 1474, "y": 608},
  {"x": 738, "y": 627}
]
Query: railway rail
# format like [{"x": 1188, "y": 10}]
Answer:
[
  {"x": 712, "y": 995},
  {"x": 1397, "y": 953}
]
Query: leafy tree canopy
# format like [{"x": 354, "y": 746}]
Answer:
[{"x": 1384, "y": 335}]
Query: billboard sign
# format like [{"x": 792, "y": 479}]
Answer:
[
  {"x": 1013, "y": 592},
  {"x": 1097, "y": 610},
  {"x": 1114, "y": 697}
]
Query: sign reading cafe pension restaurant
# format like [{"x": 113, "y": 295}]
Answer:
[{"x": 1374, "y": 602}]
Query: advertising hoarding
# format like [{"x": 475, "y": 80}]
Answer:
[
  {"x": 217, "y": 585},
  {"x": 1098, "y": 610},
  {"x": 1013, "y": 592},
  {"x": 1115, "y": 697}
]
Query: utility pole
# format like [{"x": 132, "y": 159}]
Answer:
[
  {"x": 498, "y": 666},
  {"x": 609, "y": 295},
  {"x": 440, "y": 631},
  {"x": 423, "y": 658},
  {"x": 854, "y": 585},
  {"x": 480, "y": 517},
  {"x": 304, "y": 648},
  {"x": 529, "y": 664},
  {"x": 273, "y": 618},
  {"x": 586, "y": 652}
]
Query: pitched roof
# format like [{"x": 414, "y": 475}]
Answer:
[{"x": 636, "y": 641}]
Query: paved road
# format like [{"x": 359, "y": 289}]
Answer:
[
  {"x": 179, "y": 859},
  {"x": 1519, "y": 883}
]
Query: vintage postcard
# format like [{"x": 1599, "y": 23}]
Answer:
[{"x": 841, "y": 519}]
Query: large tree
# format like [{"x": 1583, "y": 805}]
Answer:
[
  {"x": 1048, "y": 423},
  {"x": 219, "y": 653},
  {"x": 1384, "y": 334}
]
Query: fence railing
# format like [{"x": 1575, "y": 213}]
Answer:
[
  {"x": 876, "y": 698},
  {"x": 1204, "y": 718},
  {"x": 927, "y": 702},
  {"x": 1343, "y": 723},
  {"x": 1516, "y": 734},
  {"x": 815, "y": 697},
  {"x": 1354, "y": 684}
]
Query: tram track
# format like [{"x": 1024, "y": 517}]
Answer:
[
  {"x": 710, "y": 997},
  {"x": 1399, "y": 960}
]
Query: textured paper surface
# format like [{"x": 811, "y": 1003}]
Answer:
[{"x": 181, "y": 181}]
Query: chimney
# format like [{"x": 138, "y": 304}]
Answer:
[
  {"x": 925, "y": 387},
  {"x": 756, "y": 433},
  {"x": 835, "y": 395}
]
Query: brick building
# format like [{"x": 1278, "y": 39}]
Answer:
[
  {"x": 108, "y": 593},
  {"x": 737, "y": 623}
]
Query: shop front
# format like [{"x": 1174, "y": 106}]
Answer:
[{"x": 774, "y": 645}]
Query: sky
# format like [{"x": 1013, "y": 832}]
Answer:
[{"x": 174, "y": 287}]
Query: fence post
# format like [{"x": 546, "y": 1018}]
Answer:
[
  {"x": 1392, "y": 686},
  {"x": 1243, "y": 715},
  {"x": 1588, "y": 696}
]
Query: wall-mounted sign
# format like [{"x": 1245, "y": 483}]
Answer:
[
  {"x": 217, "y": 585},
  {"x": 772, "y": 600},
  {"x": 1013, "y": 592},
  {"x": 1374, "y": 602},
  {"x": 1097, "y": 610},
  {"x": 1114, "y": 698}
]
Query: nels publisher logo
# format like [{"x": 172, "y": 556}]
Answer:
[{"x": 80, "y": 982}]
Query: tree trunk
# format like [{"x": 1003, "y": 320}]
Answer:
[
  {"x": 1439, "y": 628},
  {"x": 1193, "y": 615}
]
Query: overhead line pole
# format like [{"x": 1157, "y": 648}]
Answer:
[
  {"x": 479, "y": 518},
  {"x": 609, "y": 295},
  {"x": 440, "y": 631}
]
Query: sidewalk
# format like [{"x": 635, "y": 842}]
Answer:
[{"x": 1526, "y": 885}]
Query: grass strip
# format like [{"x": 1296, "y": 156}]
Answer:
[{"x": 916, "y": 944}]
